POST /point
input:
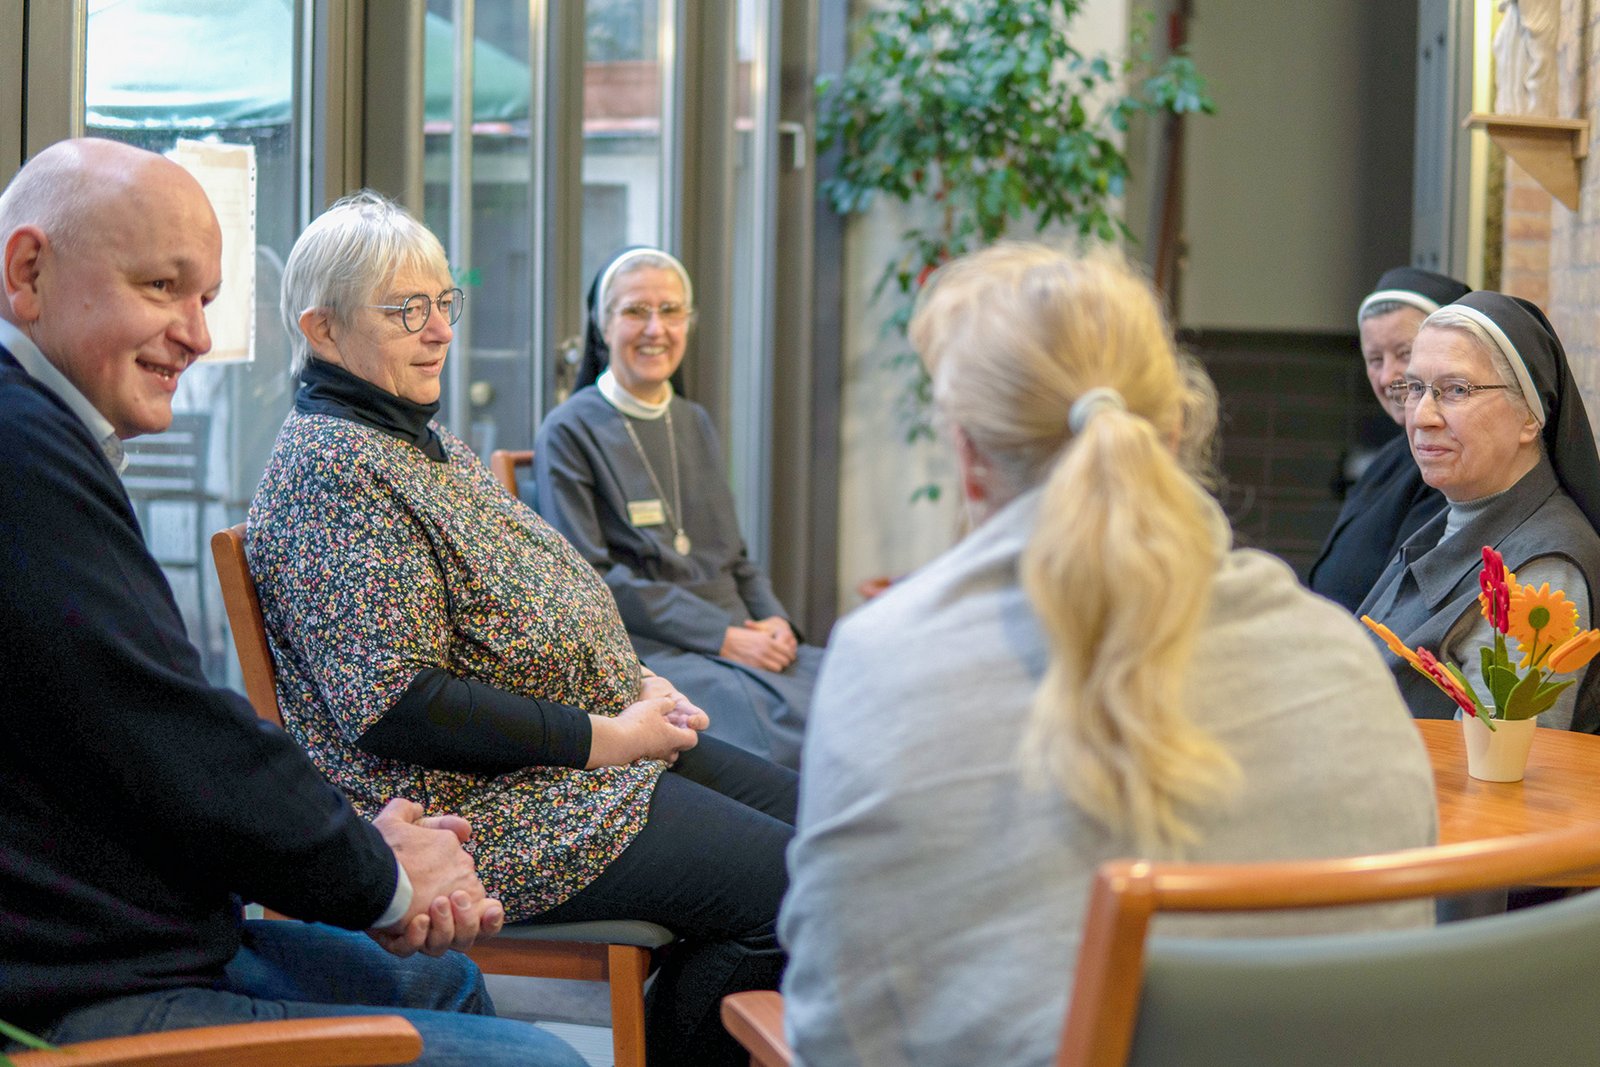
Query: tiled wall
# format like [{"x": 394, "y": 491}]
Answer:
[{"x": 1294, "y": 408}]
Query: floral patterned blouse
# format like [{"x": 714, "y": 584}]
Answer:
[{"x": 374, "y": 562}]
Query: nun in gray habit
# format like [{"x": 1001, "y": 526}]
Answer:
[
  {"x": 1496, "y": 424},
  {"x": 632, "y": 474}
]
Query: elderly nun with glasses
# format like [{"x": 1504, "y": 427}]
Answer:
[
  {"x": 1496, "y": 424},
  {"x": 632, "y": 473},
  {"x": 436, "y": 640}
]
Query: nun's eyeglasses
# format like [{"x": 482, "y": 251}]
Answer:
[
  {"x": 416, "y": 308},
  {"x": 1444, "y": 390},
  {"x": 671, "y": 314}
]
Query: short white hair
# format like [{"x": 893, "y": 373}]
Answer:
[{"x": 344, "y": 259}]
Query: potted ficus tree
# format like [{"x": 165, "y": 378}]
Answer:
[
  {"x": 988, "y": 113},
  {"x": 986, "y": 121}
]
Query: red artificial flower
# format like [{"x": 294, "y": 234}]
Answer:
[
  {"x": 1496, "y": 599},
  {"x": 1445, "y": 681}
]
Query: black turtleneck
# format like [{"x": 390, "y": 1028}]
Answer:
[
  {"x": 328, "y": 389},
  {"x": 441, "y": 721}
]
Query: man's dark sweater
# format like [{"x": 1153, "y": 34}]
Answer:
[{"x": 138, "y": 802}]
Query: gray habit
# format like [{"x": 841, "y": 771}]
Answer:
[{"x": 676, "y": 608}]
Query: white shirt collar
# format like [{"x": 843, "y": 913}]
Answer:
[
  {"x": 45, "y": 373},
  {"x": 626, "y": 402}
]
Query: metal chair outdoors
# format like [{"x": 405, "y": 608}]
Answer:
[
  {"x": 343, "y": 1041},
  {"x": 508, "y": 464},
  {"x": 615, "y": 952},
  {"x": 170, "y": 468},
  {"x": 1486, "y": 990}
]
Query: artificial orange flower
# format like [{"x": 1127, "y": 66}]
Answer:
[
  {"x": 1575, "y": 652},
  {"x": 1396, "y": 645},
  {"x": 1540, "y": 617}
]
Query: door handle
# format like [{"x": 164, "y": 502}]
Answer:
[{"x": 797, "y": 130}]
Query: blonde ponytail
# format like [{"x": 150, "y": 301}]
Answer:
[
  {"x": 1120, "y": 564},
  {"x": 1119, "y": 570}
]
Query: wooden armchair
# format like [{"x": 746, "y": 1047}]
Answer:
[
  {"x": 1489, "y": 990},
  {"x": 344, "y": 1041},
  {"x": 506, "y": 464},
  {"x": 614, "y": 952}
]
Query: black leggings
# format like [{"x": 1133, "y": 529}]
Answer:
[{"x": 708, "y": 865}]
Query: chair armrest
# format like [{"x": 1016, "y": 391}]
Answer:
[
  {"x": 342, "y": 1041},
  {"x": 755, "y": 1019}
]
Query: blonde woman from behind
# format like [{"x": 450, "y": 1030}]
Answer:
[{"x": 1093, "y": 672}]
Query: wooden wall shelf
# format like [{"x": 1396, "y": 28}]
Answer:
[{"x": 1547, "y": 148}]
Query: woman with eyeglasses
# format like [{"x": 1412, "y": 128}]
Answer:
[
  {"x": 632, "y": 474},
  {"x": 1497, "y": 425},
  {"x": 436, "y": 640}
]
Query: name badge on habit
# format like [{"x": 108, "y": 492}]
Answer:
[{"x": 646, "y": 513}]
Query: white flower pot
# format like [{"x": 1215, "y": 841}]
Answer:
[{"x": 1500, "y": 755}]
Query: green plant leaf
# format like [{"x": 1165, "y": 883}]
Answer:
[
  {"x": 22, "y": 1037},
  {"x": 1544, "y": 699},
  {"x": 1501, "y": 681},
  {"x": 1523, "y": 698}
]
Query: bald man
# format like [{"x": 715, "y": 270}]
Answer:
[{"x": 138, "y": 803}]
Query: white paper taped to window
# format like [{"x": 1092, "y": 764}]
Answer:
[{"x": 227, "y": 172}]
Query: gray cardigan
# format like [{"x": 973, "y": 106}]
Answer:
[
  {"x": 1431, "y": 585},
  {"x": 935, "y": 899}
]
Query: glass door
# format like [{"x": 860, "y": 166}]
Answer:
[
  {"x": 625, "y": 84},
  {"x": 478, "y": 182}
]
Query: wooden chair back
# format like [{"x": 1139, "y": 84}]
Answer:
[
  {"x": 1110, "y": 988},
  {"x": 1288, "y": 1000},
  {"x": 244, "y": 618},
  {"x": 505, "y": 464},
  {"x": 339, "y": 1041}
]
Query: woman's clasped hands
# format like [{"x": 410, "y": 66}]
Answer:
[{"x": 659, "y": 725}]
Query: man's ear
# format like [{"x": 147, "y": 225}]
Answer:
[{"x": 23, "y": 256}]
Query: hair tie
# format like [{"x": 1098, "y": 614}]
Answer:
[{"x": 1091, "y": 404}]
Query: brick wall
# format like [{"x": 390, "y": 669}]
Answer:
[
  {"x": 1525, "y": 261},
  {"x": 1574, "y": 273}
]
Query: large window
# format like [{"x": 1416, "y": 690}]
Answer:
[
  {"x": 157, "y": 71},
  {"x": 622, "y": 118},
  {"x": 478, "y": 201},
  {"x": 574, "y": 143}
]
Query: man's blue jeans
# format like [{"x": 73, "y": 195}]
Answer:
[{"x": 290, "y": 970}]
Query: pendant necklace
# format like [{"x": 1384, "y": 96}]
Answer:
[{"x": 680, "y": 540}]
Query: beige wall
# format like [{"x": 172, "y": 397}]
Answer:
[{"x": 1297, "y": 191}]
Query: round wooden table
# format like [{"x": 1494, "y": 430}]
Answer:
[{"x": 1561, "y": 788}]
